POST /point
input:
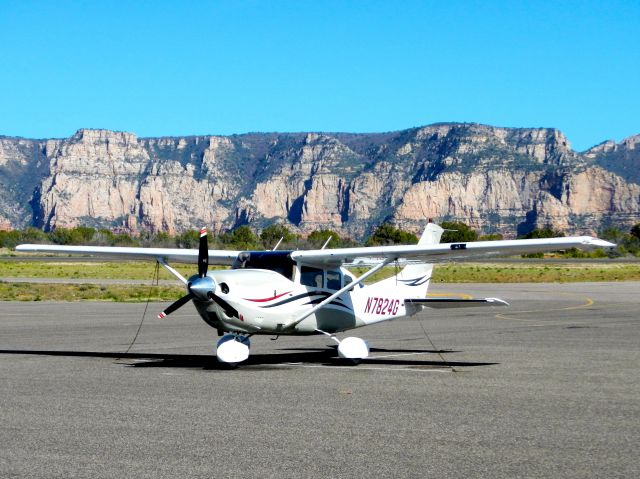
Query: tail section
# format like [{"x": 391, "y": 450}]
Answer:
[
  {"x": 414, "y": 278},
  {"x": 432, "y": 234},
  {"x": 417, "y": 276}
]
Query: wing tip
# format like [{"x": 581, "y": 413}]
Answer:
[
  {"x": 500, "y": 302},
  {"x": 600, "y": 243}
]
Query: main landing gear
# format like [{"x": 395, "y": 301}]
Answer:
[
  {"x": 351, "y": 349},
  {"x": 232, "y": 349}
]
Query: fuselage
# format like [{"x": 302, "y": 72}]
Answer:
[{"x": 260, "y": 301}]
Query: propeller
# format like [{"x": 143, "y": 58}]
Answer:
[
  {"x": 203, "y": 254},
  {"x": 201, "y": 287}
]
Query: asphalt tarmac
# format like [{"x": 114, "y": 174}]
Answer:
[{"x": 548, "y": 387}]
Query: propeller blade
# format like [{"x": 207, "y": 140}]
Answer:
[
  {"x": 228, "y": 309},
  {"x": 203, "y": 254},
  {"x": 173, "y": 306}
]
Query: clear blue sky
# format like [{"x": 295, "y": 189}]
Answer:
[{"x": 187, "y": 67}]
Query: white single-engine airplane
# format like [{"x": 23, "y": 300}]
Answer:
[{"x": 311, "y": 292}]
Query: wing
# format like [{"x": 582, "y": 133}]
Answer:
[
  {"x": 438, "y": 253},
  {"x": 221, "y": 257},
  {"x": 445, "y": 303}
]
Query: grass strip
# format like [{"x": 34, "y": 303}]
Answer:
[
  {"x": 86, "y": 292},
  {"x": 88, "y": 269},
  {"x": 449, "y": 272},
  {"x": 525, "y": 272},
  {"x": 539, "y": 272},
  {"x": 536, "y": 273}
]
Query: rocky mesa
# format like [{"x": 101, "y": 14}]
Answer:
[{"x": 506, "y": 180}]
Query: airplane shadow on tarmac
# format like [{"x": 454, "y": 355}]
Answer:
[{"x": 311, "y": 356}]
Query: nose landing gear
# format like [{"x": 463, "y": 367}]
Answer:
[{"x": 232, "y": 349}]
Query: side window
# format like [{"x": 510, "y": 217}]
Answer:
[
  {"x": 334, "y": 279},
  {"x": 348, "y": 280},
  {"x": 310, "y": 276}
]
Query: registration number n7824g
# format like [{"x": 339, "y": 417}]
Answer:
[{"x": 382, "y": 306}]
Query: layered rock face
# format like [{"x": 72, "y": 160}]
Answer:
[
  {"x": 496, "y": 179},
  {"x": 22, "y": 167},
  {"x": 621, "y": 158}
]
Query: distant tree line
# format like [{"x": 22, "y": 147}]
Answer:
[{"x": 244, "y": 238}]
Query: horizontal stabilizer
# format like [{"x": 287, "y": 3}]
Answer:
[{"x": 442, "y": 303}]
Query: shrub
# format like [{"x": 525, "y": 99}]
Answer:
[
  {"x": 387, "y": 234},
  {"x": 459, "y": 232},
  {"x": 272, "y": 234}
]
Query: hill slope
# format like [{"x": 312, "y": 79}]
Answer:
[{"x": 496, "y": 179}]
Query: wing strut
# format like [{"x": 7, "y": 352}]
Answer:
[
  {"x": 171, "y": 270},
  {"x": 340, "y": 292}
]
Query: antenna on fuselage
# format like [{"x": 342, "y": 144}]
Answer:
[
  {"x": 277, "y": 244},
  {"x": 326, "y": 242}
]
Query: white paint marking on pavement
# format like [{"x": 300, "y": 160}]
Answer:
[{"x": 360, "y": 368}]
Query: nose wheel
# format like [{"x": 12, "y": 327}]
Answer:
[{"x": 232, "y": 349}]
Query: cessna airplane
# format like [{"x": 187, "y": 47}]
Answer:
[{"x": 311, "y": 292}]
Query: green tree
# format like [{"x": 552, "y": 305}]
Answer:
[
  {"x": 272, "y": 234},
  {"x": 577, "y": 253},
  {"x": 82, "y": 234},
  {"x": 188, "y": 239},
  {"x": 546, "y": 232},
  {"x": 158, "y": 239},
  {"x": 240, "y": 238},
  {"x": 612, "y": 234},
  {"x": 630, "y": 242},
  {"x": 318, "y": 238},
  {"x": 124, "y": 239},
  {"x": 459, "y": 232},
  {"x": 387, "y": 234},
  {"x": 33, "y": 235},
  {"x": 491, "y": 237},
  {"x": 161, "y": 239},
  {"x": 60, "y": 236},
  {"x": 103, "y": 237},
  {"x": 73, "y": 236},
  {"x": 10, "y": 239}
]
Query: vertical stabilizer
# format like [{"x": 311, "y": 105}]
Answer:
[
  {"x": 414, "y": 278},
  {"x": 418, "y": 275},
  {"x": 431, "y": 234}
]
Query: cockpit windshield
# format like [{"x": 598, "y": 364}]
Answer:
[{"x": 278, "y": 261}]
